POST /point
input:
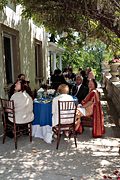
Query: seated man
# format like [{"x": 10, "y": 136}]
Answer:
[
  {"x": 63, "y": 89},
  {"x": 79, "y": 90}
]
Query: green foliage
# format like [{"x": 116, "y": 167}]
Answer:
[
  {"x": 3, "y": 3},
  {"x": 98, "y": 19},
  {"x": 82, "y": 53}
]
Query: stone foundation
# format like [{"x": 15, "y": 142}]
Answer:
[{"x": 113, "y": 92}]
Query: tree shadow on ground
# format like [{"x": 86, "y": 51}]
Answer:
[{"x": 94, "y": 158}]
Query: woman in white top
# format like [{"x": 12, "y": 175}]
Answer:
[
  {"x": 23, "y": 103},
  {"x": 63, "y": 89}
]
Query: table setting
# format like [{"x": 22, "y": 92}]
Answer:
[{"x": 42, "y": 108}]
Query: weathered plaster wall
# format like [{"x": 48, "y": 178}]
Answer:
[
  {"x": 27, "y": 32},
  {"x": 2, "y": 79}
]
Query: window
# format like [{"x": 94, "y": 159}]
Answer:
[
  {"x": 38, "y": 60},
  {"x": 10, "y": 42},
  {"x": 8, "y": 59}
]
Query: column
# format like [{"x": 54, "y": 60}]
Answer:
[
  {"x": 60, "y": 62},
  {"x": 50, "y": 63},
  {"x": 54, "y": 61}
]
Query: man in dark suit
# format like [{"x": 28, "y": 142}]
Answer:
[
  {"x": 79, "y": 90},
  {"x": 57, "y": 78}
]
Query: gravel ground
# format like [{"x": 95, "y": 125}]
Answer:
[{"x": 93, "y": 159}]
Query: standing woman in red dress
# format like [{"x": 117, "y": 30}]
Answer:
[{"x": 91, "y": 105}]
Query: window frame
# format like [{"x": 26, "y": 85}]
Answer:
[
  {"x": 38, "y": 60},
  {"x": 14, "y": 34}
]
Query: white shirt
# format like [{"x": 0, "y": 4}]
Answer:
[
  {"x": 23, "y": 104},
  {"x": 61, "y": 97}
]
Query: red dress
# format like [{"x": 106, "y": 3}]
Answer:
[{"x": 98, "y": 117}]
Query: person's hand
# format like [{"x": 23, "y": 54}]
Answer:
[{"x": 77, "y": 113}]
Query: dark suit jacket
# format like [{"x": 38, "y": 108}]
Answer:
[
  {"x": 82, "y": 93},
  {"x": 57, "y": 80}
]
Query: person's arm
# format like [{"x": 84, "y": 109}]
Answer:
[
  {"x": 89, "y": 103},
  {"x": 54, "y": 105},
  {"x": 88, "y": 100},
  {"x": 73, "y": 90}
]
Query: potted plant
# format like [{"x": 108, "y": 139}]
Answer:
[
  {"x": 114, "y": 64},
  {"x": 114, "y": 61}
]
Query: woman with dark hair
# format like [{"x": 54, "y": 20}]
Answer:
[
  {"x": 28, "y": 89},
  {"x": 91, "y": 105},
  {"x": 21, "y": 76},
  {"x": 12, "y": 88},
  {"x": 23, "y": 103}
]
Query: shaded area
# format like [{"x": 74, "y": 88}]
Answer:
[
  {"x": 92, "y": 159},
  {"x": 111, "y": 110}
]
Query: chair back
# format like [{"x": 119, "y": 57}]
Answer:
[
  {"x": 67, "y": 112},
  {"x": 8, "y": 113},
  {"x": 8, "y": 109}
]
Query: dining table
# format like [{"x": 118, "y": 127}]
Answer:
[{"x": 42, "y": 123}]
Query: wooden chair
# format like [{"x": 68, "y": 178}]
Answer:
[
  {"x": 87, "y": 121},
  {"x": 8, "y": 111},
  {"x": 66, "y": 112}
]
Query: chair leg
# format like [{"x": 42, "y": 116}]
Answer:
[
  {"x": 16, "y": 144},
  {"x": 4, "y": 129},
  {"x": 4, "y": 133},
  {"x": 70, "y": 133},
  {"x": 15, "y": 140},
  {"x": 74, "y": 133},
  {"x": 58, "y": 139},
  {"x": 15, "y": 137},
  {"x": 75, "y": 141},
  {"x": 4, "y": 136},
  {"x": 30, "y": 134}
]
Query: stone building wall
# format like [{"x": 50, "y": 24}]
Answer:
[{"x": 113, "y": 92}]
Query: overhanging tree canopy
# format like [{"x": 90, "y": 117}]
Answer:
[
  {"x": 63, "y": 14},
  {"x": 93, "y": 18}
]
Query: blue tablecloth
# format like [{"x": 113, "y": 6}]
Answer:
[{"x": 42, "y": 113}]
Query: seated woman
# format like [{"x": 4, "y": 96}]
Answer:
[
  {"x": 12, "y": 88},
  {"x": 28, "y": 89},
  {"x": 23, "y": 103},
  {"x": 63, "y": 90},
  {"x": 91, "y": 106}
]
